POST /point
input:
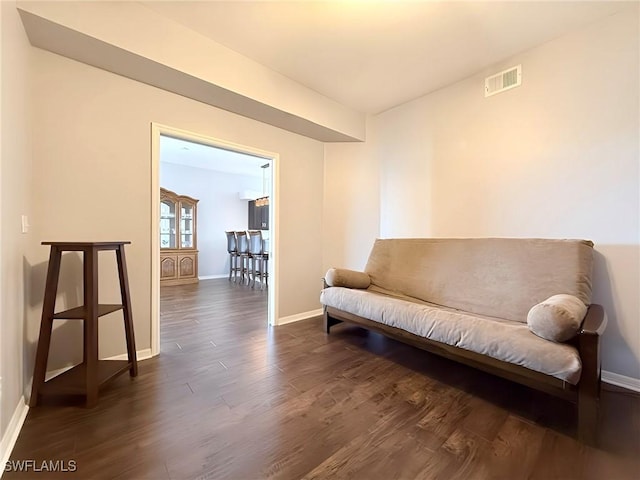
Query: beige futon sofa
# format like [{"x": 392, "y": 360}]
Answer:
[{"x": 518, "y": 308}]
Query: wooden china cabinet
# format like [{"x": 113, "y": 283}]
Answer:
[{"x": 178, "y": 239}]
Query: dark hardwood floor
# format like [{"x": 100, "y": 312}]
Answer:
[{"x": 229, "y": 398}]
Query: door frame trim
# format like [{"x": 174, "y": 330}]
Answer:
[{"x": 157, "y": 130}]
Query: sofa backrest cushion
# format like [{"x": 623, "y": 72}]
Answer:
[{"x": 499, "y": 277}]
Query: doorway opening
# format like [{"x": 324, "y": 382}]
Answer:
[{"x": 208, "y": 187}]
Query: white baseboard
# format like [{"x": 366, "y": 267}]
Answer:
[
  {"x": 618, "y": 380},
  {"x": 299, "y": 316},
  {"x": 11, "y": 434},
  {"x": 140, "y": 355},
  {"x": 211, "y": 277}
]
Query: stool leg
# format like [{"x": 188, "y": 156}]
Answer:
[
  {"x": 253, "y": 272},
  {"x": 235, "y": 268},
  {"x": 257, "y": 271},
  {"x": 266, "y": 272},
  {"x": 126, "y": 305},
  {"x": 237, "y": 272},
  {"x": 46, "y": 324},
  {"x": 90, "y": 353}
]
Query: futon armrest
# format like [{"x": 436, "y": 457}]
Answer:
[
  {"x": 342, "y": 277},
  {"x": 588, "y": 345},
  {"x": 595, "y": 321}
]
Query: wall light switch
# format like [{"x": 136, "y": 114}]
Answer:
[{"x": 25, "y": 224}]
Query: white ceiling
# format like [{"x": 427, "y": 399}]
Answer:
[
  {"x": 373, "y": 55},
  {"x": 181, "y": 152}
]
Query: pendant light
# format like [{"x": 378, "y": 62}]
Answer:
[{"x": 264, "y": 200}]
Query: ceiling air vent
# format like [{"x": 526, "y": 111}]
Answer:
[{"x": 505, "y": 80}]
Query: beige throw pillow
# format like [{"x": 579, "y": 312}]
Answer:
[
  {"x": 558, "y": 318},
  {"x": 341, "y": 277}
]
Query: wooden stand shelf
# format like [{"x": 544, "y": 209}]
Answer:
[
  {"x": 80, "y": 313},
  {"x": 73, "y": 381},
  {"x": 86, "y": 378}
]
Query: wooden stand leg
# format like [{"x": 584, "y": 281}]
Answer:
[
  {"x": 46, "y": 323},
  {"x": 126, "y": 305},
  {"x": 90, "y": 353}
]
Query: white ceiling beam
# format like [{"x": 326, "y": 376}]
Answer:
[{"x": 131, "y": 40}]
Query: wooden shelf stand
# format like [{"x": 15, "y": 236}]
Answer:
[{"x": 86, "y": 378}]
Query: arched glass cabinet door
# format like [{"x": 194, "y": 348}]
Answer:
[
  {"x": 187, "y": 225},
  {"x": 167, "y": 224}
]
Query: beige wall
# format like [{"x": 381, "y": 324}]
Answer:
[
  {"x": 351, "y": 220},
  {"x": 92, "y": 175},
  {"x": 556, "y": 157},
  {"x": 14, "y": 201}
]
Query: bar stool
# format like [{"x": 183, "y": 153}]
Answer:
[
  {"x": 259, "y": 258},
  {"x": 242, "y": 243},
  {"x": 86, "y": 378},
  {"x": 232, "y": 249}
]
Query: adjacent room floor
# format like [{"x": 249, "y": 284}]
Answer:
[{"x": 229, "y": 398}]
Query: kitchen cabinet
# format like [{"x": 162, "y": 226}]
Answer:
[{"x": 258, "y": 216}]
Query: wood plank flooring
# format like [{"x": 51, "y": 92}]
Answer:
[{"x": 229, "y": 398}]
